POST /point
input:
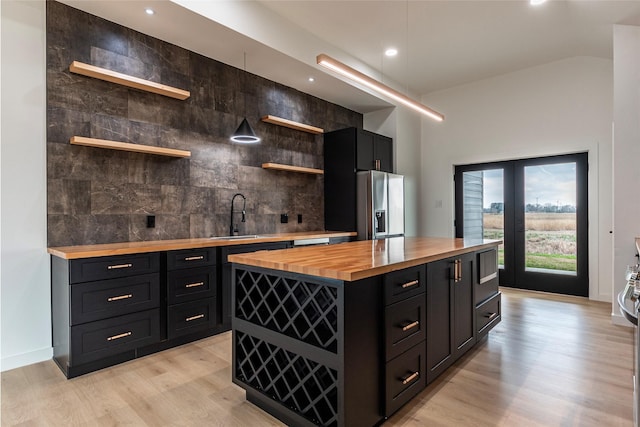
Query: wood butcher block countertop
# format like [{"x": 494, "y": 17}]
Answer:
[
  {"x": 357, "y": 260},
  {"x": 124, "y": 248}
]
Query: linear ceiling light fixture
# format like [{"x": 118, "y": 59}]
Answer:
[{"x": 345, "y": 70}]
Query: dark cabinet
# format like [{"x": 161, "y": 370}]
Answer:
[
  {"x": 191, "y": 291},
  {"x": 225, "y": 283},
  {"x": 439, "y": 317},
  {"x": 450, "y": 312},
  {"x": 404, "y": 335},
  {"x": 464, "y": 332},
  {"x": 347, "y": 151},
  {"x": 103, "y": 309},
  {"x": 487, "y": 296},
  {"x": 373, "y": 151}
]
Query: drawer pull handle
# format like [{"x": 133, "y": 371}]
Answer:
[
  {"x": 410, "y": 284},
  {"x": 199, "y": 316},
  {"x": 410, "y": 326},
  {"x": 193, "y": 285},
  {"x": 119, "y": 297},
  {"x": 407, "y": 380},
  {"x": 117, "y": 266},
  {"x": 491, "y": 316},
  {"x": 194, "y": 258},
  {"x": 115, "y": 337}
]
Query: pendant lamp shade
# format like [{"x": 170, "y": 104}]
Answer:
[{"x": 244, "y": 134}]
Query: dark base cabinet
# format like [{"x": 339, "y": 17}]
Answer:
[
  {"x": 107, "y": 310},
  {"x": 104, "y": 309},
  {"x": 316, "y": 351}
]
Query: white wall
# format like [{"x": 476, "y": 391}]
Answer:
[
  {"x": 626, "y": 152},
  {"x": 403, "y": 125},
  {"x": 557, "y": 108},
  {"x": 25, "y": 313}
]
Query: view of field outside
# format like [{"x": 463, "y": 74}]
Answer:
[{"x": 550, "y": 215}]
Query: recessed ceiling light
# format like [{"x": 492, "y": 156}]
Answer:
[
  {"x": 536, "y": 2},
  {"x": 391, "y": 51},
  {"x": 311, "y": 79},
  {"x": 149, "y": 11}
]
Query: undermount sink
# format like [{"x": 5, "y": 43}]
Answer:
[{"x": 245, "y": 236}]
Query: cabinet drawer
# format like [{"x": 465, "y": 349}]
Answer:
[
  {"x": 191, "y": 317},
  {"x": 99, "y": 268},
  {"x": 188, "y": 258},
  {"x": 109, "y": 298},
  {"x": 488, "y": 315},
  {"x": 402, "y": 284},
  {"x": 405, "y": 325},
  {"x": 96, "y": 340},
  {"x": 191, "y": 284},
  {"x": 487, "y": 284},
  {"x": 405, "y": 377}
]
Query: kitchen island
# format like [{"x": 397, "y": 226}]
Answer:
[{"x": 346, "y": 334}]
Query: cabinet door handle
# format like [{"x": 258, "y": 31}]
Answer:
[
  {"x": 491, "y": 316},
  {"x": 193, "y": 285},
  {"x": 377, "y": 164},
  {"x": 198, "y": 316},
  {"x": 115, "y": 337},
  {"x": 410, "y": 326},
  {"x": 115, "y": 267},
  {"x": 194, "y": 258},
  {"x": 457, "y": 270},
  {"x": 410, "y": 284},
  {"x": 119, "y": 297},
  {"x": 408, "y": 379}
]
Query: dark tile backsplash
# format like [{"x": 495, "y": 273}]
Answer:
[{"x": 100, "y": 196}]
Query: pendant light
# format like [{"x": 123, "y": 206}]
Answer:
[{"x": 245, "y": 134}]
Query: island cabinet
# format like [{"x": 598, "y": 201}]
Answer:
[
  {"x": 487, "y": 297},
  {"x": 450, "y": 312},
  {"x": 307, "y": 349},
  {"x": 351, "y": 344}
]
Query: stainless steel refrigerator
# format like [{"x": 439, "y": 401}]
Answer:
[{"x": 380, "y": 205}]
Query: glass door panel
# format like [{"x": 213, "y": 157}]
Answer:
[{"x": 550, "y": 218}]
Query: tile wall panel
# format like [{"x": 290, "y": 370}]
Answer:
[{"x": 100, "y": 196}]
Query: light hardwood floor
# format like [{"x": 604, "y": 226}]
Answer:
[{"x": 552, "y": 361}]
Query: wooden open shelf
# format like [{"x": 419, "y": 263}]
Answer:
[
  {"x": 289, "y": 168},
  {"x": 126, "y": 80},
  {"x": 126, "y": 146},
  {"x": 292, "y": 125}
]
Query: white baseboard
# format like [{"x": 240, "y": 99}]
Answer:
[
  {"x": 620, "y": 320},
  {"x": 24, "y": 359}
]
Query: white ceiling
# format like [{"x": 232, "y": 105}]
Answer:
[{"x": 441, "y": 43}]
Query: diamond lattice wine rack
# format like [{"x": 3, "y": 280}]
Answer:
[{"x": 289, "y": 341}]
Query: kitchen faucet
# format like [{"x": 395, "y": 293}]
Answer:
[{"x": 234, "y": 230}]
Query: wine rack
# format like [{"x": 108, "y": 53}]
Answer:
[
  {"x": 304, "y": 386},
  {"x": 299, "y": 309}
]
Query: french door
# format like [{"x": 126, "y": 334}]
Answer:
[{"x": 538, "y": 207}]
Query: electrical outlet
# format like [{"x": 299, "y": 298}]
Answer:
[
  {"x": 299, "y": 218},
  {"x": 284, "y": 218},
  {"x": 151, "y": 221}
]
